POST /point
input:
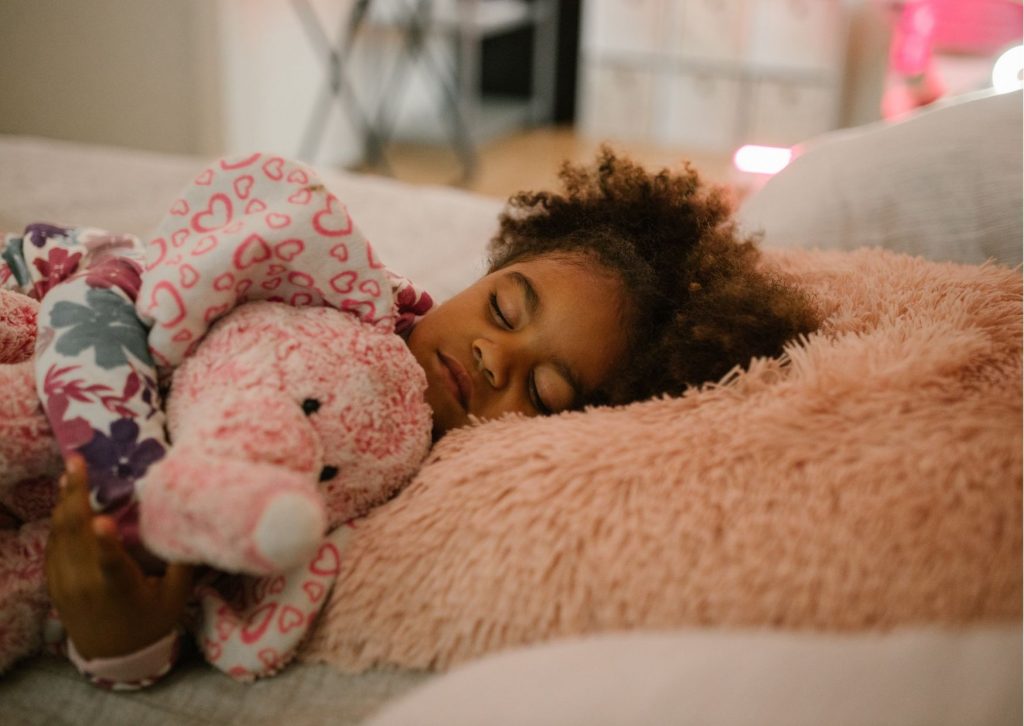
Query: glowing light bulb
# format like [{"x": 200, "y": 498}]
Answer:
[
  {"x": 1008, "y": 70},
  {"x": 761, "y": 159}
]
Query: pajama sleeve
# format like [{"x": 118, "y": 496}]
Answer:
[
  {"x": 98, "y": 386},
  {"x": 94, "y": 375}
]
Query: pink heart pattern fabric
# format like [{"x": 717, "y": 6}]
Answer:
[
  {"x": 252, "y": 626},
  {"x": 258, "y": 227}
]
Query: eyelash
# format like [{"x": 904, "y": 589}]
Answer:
[
  {"x": 535, "y": 399},
  {"x": 538, "y": 403},
  {"x": 496, "y": 309}
]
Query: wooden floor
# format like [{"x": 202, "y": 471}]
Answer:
[{"x": 530, "y": 160}]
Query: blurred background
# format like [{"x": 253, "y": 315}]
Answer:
[{"x": 491, "y": 94}]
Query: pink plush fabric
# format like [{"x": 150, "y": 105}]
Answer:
[
  {"x": 17, "y": 327},
  {"x": 23, "y": 598},
  {"x": 874, "y": 482},
  {"x": 254, "y": 478},
  {"x": 27, "y": 448}
]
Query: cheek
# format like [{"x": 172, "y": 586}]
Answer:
[
  {"x": 498, "y": 405},
  {"x": 421, "y": 346}
]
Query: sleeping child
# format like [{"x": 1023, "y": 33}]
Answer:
[{"x": 622, "y": 286}]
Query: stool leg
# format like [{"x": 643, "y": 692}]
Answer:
[{"x": 336, "y": 85}]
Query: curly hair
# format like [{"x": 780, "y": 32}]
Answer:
[{"x": 700, "y": 302}]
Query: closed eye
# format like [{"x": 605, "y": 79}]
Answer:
[
  {"x": 497, "y": 312},
  {"x": 535, "y": 398},
  {"x": 538, "y": 403}
]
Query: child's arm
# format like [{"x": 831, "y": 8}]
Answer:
[{"x": 121, "y": 624}]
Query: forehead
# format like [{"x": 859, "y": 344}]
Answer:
[{"x": 580, "y": 313}]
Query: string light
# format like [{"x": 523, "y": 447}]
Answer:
[
  {"x": 762, "y": 159},
  {"x": 1007, "y": 72}
]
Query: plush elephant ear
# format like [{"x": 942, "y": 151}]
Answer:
[{"x": 17, "y": 326}]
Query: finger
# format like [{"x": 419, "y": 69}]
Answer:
[
  {"x": 73, "y": 510},
  {"x": 62, "y": 565},
  {"x": 57, "y": 516},
  {"x": 61, "y": 545},
  {"x": 176, "y": 586},
  {"x": 51, "y": 566},
  {"x": 105, "y": 528},
  {"x": 117, "y": 567},
  {"x": 77, "y": 471},
  {"x": 75, "y": 476}
]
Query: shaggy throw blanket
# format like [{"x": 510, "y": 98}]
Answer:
[{"x": 873, "y": 481}]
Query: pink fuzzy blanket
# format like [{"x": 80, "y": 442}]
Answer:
[{"x": 873, "y": 481}]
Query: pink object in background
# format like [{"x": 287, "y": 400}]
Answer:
[
  {"x": 923, "y": 28},
  {"x": 980, "y": 27},
  {"x": 913, "y": 37}
]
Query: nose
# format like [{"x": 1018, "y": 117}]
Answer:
[{"x": 492, "y": 361}]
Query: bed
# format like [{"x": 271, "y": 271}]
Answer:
[{"x": 940, "y": 649}]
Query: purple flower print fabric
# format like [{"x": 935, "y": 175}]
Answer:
[{"x": 95, "y": 375}]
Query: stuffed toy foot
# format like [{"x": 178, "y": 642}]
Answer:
[{"x": 252, "y": 627}]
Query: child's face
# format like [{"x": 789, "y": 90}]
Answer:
[{"x": 535, "y": 337}]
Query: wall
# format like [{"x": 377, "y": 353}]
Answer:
[
  {"x": 128, "y": 72},
  {"x": 190, "y": 76},
  {"x": 213, "y": 76}
]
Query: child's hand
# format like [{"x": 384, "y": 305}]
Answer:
[{"x": 107, "y": 605}]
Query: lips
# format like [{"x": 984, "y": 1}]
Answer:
[{"x": 458, "y": 380}]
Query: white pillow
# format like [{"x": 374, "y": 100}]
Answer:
[
  {"x": 912, "y": 677},
  {"x": 945, "y": 184}
]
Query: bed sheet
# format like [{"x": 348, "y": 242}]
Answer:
[{"x": 48, "y": 691}]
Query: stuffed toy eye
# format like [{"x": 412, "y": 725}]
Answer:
[
  {"x": 310, "y": 405},
  {"x": 328, "y": 472}
]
